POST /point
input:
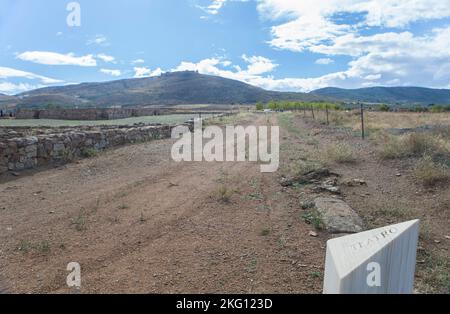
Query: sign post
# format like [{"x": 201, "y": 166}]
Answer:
[{"x": 379, "y": 261}]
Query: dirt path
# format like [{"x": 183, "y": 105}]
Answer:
[{"x": 139, "y": 223}]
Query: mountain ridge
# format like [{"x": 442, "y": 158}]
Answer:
[
  {"x": 391, "y": 95},
  {"x": 187, "y": 87},
  {"x": 168, "y": 89}
]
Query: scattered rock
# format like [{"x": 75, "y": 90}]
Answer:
[
  {"x": 308, "y": 177},
  {"x": 307, "y": 205},
  {"x": 313, "y": 234},
  {"x": 331, "y": 186},
  {"x": 355, "y": 182},
  {"x": 338, "y": 216},
  {"x": 398, "y": 174}
]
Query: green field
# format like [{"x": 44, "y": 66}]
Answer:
[{"x": 168, "y": 119}]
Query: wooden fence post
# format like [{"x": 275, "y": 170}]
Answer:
[
  {"x": 328, "y": 120},
  {"x": 363, "y": 133},
  {"x": 312, "y": 110}
]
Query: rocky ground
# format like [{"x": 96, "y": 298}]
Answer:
[{"x": 138, "y": 222}]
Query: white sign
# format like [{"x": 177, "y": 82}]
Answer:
[{"x": 379, "y": 261}]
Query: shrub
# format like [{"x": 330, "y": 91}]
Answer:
[
  {"x": 417, "y": 144},
  {"x": 340, "y": 153},
  {"x": 438, "y": 109},
  {"x": 89, "y": 152},
  {"x": 390, "y": 147},
  {"x": 412, "y": 145},
  {"x": 224, "y": 194},
  {"x": 429, "y": 173},
  {"x": 385, "y": 108}
]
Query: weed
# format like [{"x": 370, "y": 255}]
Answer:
[
  {"x": 44, "y": 247},
  {"x": 316, "y": 275},
  {"x": 80, "y": 222},
  {"x": 25, "y": 246},
  {"x": 252, "y": 266},
  {"x": 281, "y": 242},
  {"x": 313, "y": 217},
  {"x": 67, "y": 155},
  {"x": 265, "y": 232}
]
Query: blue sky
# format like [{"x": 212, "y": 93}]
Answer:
[{"x": 288, "y": 45}]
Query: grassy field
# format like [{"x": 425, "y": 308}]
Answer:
[
  {"x": 168, "y": 119},
  {"x": 376, "y": 121}
]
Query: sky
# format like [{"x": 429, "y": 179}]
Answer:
[{"x": 285, "y": 45}]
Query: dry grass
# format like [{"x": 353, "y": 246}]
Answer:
[
  {"x": 429, "y": 173},
  {"x": 388, "y": 120},
  {"x": 412, "y": 145},
  {"x": 339, "y": 153}
]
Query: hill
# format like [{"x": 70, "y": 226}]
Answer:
[
  {"x": 391, "y": 95},
  {"x": 7, "y": 101},
  {"x": 168, "y": 89}
]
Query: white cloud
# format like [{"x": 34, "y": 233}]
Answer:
[
  {"x": 258, "y": 65},
  {"x": 6, "y": 73},
  {"x": 226, "y": 63},
  {"x": 7, "y": 87},
  {"x": 215, "y": 6},
  {"x": 392, "y": 55},
  {"x": 138, "y": 61},
  {"x": 140, "y": 72},
  {"x": 373, "y": 77},
  {"x": 106, "y": 58},
  {"x": 212, "y": 8},
  {"x": 111, "y": 72},
  {"x": 11, "y": 88},
  {"x": 383, "y": 59},
  {"x": 98, "y": 40},
  {"x": 312, "y": 23},
  {"x": 54, "y": 58},
  {"x": 324, "y": 61}
]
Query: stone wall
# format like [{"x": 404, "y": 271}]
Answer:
[
  {"x": 88, "y": 113},
  {"x": 46, "y": 149}
]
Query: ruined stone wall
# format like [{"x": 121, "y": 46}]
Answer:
[
  {"x": 88, "y": 114},
  {"x": 46, "y": 149}
]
